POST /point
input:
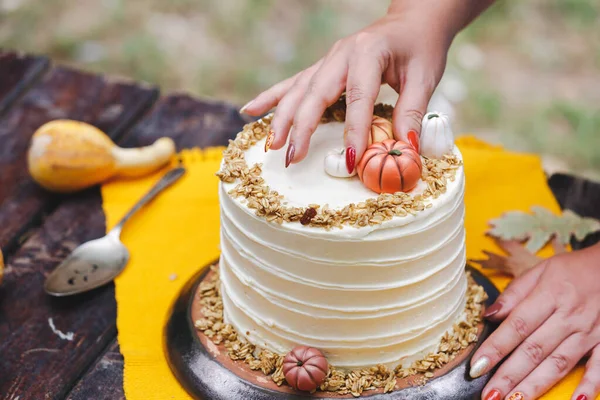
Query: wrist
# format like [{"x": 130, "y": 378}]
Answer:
[
  {"x": 449, "y": 16},
  {"x": 434, "y": 15}
]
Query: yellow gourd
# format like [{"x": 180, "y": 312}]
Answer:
[{"x": 67, "y": 156}]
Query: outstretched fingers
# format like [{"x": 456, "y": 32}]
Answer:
[
  {"x": 515, "y": 293},
  {"x": 520, "y": 324},
  {"x": 269, "y": 98},
  {"x": 525, "y": 362},
  {"x": 551, "y": 370},
  {"x": 412, "y": 104},
  {"x": 589, "y": 387},
  {"x": 324, "y": 89},
  {"x": 284, "y": 114},
  {"x": 362, "y": 88}
]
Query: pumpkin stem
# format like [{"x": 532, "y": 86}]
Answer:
[
  {"x": 395, "y": 152},
  {"x": 299, "y": 363},
  {"x": 433, "y": 116}
]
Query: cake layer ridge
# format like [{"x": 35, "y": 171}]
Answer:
[
  {"x": 272, "y": 312},
  {"x": 332, "y": 274},
  {"x": 341, "y": 353},
  {"x": 408, "y": 240},
  {"x": 342, "y": 300},
  {"x": 373, "y": 335}
]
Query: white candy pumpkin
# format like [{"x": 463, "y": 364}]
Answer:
[
  {"x": 436, "y": 135},
  {"x": 335, "y": 164}
]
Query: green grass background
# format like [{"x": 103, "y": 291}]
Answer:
[{"x": 526, "y": 74}]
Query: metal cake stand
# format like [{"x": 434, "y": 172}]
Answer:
[{"x": 206, "y": 376}]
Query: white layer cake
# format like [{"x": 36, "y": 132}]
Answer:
[{"x": 381, "y": 294}]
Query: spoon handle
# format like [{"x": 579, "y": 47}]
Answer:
[{"x": 167, "y": 180}]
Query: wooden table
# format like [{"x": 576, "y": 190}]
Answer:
[{"x": 38, "y": 229}]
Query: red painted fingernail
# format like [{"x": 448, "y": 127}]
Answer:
[
  {"x": 493, "y": 310},
  {"x": 413, "y": 139},
  {"x": 493, "y": 395},
  {"x": 289, "y": 155},
  {"x": 269, "y": 140},
  {"x": 582, "y": 397},
  {"x": 517, "y": 396},
  {"x": 350, "y": 159}
]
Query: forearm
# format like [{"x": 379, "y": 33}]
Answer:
[{"x": 451, "y": 16}]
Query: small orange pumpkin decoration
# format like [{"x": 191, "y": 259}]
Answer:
[
  {"x": 381, "y": 129},
  {"x": 305, "y": 368},
  {"x": 390, "y": 166}
]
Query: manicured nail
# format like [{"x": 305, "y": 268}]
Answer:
[
  {"x": 269, "y": 140},
  {"x": 493, "y": 395},
  {"x": 492, "y": 310},
  {"x": 289, "y": 155},
  {"x": 350, "y": 159},
  {"x": 517, "y": 396},
  {"x": 582, "y": 397},
  {"x": 413, "y": 139},
  {"x": 243, "y": 109},
  {"x": 479, "y": 367}
]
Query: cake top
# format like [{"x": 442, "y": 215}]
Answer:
[{"x": 305, "y": 193}]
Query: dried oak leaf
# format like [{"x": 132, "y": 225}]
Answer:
[
  {"x": 541, "y": 226},
  {"x": 516, "y": 263}
]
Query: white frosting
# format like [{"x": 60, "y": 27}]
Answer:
[{"x": 382, "y": 294}]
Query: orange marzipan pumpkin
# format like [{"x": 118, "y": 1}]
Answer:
[
  {"x": 390, "y": 166},
  {"x": 381, "y": 129}
]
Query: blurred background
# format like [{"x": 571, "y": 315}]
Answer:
[{"x": 526, "y": 74}]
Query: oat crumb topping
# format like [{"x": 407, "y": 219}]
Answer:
[
  {"x": 268, "y": 203},
  {"x": 354, "y": 382}
]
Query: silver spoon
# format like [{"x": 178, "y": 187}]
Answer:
[{"x": 99, "y": 261}]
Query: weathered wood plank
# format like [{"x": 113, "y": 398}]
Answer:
[
  {"x": 191, "y": 123},
  {"x": 24, "y": 309},
  {"x": 64, "y": 93},
  {"x": 580, "y": 195},
  {"x": 36, "y": 362},
  {"x": 104, "y": 380},
  {"x": 17, "y": 73},
  {"x": 27, "y": 343}
]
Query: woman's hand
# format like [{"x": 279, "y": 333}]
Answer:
[
  {"x": 551, "y": 320},
  {"x": 406, "y": 49}
]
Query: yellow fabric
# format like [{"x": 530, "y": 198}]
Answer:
[{"x": 179, "y": 233}]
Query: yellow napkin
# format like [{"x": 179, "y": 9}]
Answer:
[{"x": 179, "y": 233}]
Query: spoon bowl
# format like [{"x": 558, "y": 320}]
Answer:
[
  {"x": 89, "y": 266},
  {"x": 99, "y": 261}
]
